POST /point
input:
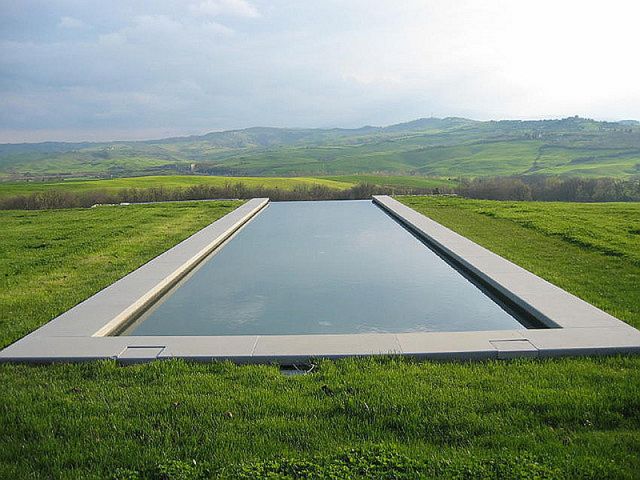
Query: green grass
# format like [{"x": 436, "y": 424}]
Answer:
[
  {"x": 397, "y": 181},
  {"x": 52, "y": 260},
  {"x": 432, "y": 147},
  {"x": 9, "y": 189},
  {"x": 86, "y": 421},
  {"x": 356, "y": 418},
  {"x": 609, "y": 228},
  {"x": 166, "y": 181},
  {"x": 422, "y": 154}
]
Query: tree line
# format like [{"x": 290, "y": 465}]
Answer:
[
  {"x": 538, "y": 188},
  {"x": 56, "y": 198},
  {"x": 545, "y": 188}
]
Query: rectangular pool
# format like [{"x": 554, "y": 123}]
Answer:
[{"x": 327, "y": 267}]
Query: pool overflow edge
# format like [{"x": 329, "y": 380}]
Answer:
[{"x": 83, "y": 332}]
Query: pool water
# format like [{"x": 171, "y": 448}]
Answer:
[{"x": 328, "y": 267}]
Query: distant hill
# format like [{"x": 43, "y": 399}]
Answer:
[{"x": 428, "y": 146}]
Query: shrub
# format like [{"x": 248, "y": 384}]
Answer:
[{"x": 543, "y": 188}]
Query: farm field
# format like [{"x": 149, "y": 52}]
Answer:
[
  {"x": 165, "y": 181},
  {"x": 358, "y": 418},
  {"x": 414, "y": 181},
  {"x": 8, "y": 189}
]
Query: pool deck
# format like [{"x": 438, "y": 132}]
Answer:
[{"x": 83, "y": 332}]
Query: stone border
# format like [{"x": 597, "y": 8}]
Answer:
[{"x": 80, "y": 333}]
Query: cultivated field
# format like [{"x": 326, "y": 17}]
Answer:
[
  {"x": 8, "y": 189},
  {"x": 563, "y": 418},
  {"x": 165, "y": 181},
  {"x": 397, "y": 181}
]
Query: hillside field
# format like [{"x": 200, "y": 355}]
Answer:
[
  {"x": 435, "y": 147},
  {"x": 8, "y": 189},
  {"x": 164, "y": 181},
  {"x": 356, "y": 418},
  {"x": 395, "y": 181}
]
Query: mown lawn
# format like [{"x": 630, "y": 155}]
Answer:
[
  {"x": 366, "y": 418},
  {"x": 52, "y": 260}
]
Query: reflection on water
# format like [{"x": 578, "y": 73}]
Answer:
[{"x": 323, "y": 267}]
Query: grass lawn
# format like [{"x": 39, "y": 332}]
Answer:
[
  {"x": 366, "y": 418},
  {"x": 52, "y": 260}
]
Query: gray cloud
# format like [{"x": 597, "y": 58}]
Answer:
[{"x": 118, "y": 69}]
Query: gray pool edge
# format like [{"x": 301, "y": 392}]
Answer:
[{"x": 80, "y": 333}]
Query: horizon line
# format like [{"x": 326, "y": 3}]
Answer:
[{"x": 187, "y": 136}]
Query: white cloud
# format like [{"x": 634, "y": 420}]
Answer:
[
  {"x": 71, "y": 23},
  {"x": 235, "y": 8}
]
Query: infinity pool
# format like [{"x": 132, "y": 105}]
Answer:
[{"x": 330, "y": 267}]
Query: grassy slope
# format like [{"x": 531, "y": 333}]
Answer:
[
  {"x": 424, "y": 155},
  {"x": 577, "y": 418},
  {"x": 570, "y": 147},
  {"x": 176, "y": 181},
  {"x": 167, "y": 181},
  {"x": 610, "y": 228},
  {"x": 401, "y": 156},
  {"x": 396, "y": 180},
  {"x": 81, "y": 163}
]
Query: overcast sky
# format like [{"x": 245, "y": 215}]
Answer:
[{"x": 101, "y": 70}]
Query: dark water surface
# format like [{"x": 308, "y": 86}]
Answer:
[{"x": 323, "y": 267}]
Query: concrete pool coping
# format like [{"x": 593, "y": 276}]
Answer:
[{"x": 82, "y": 333}]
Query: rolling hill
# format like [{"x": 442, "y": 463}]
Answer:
[{"x": 448, "y": 147}]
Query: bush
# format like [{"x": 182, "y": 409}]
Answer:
[{"x": 544, "y": 188}]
